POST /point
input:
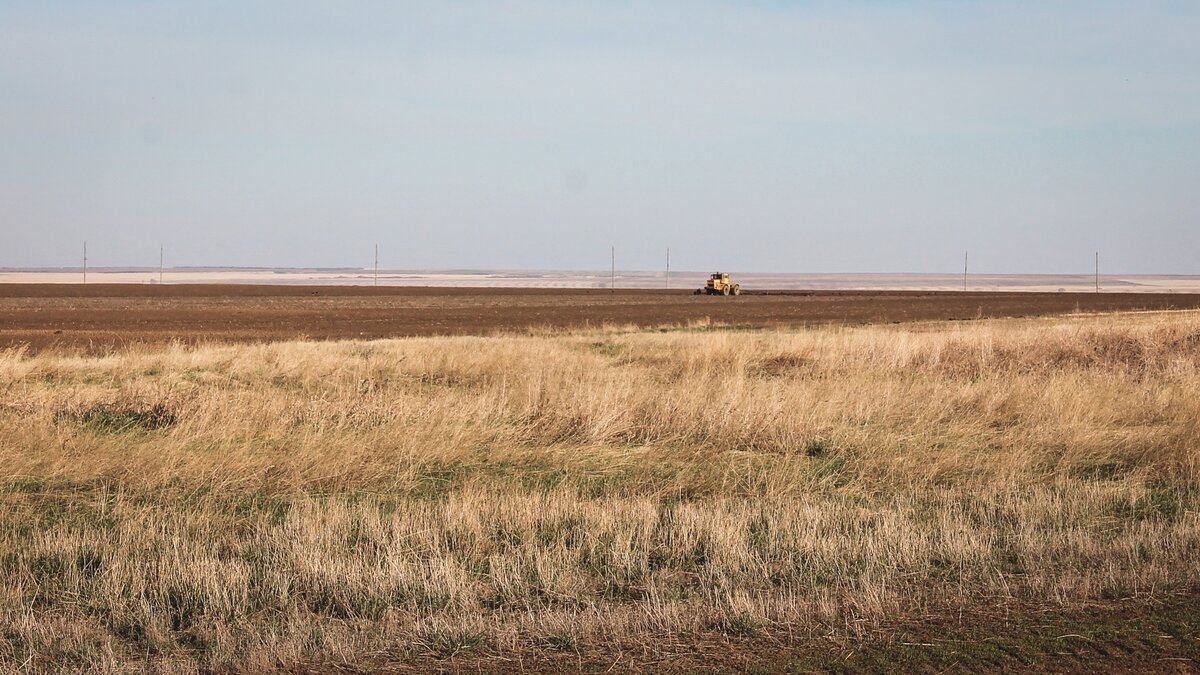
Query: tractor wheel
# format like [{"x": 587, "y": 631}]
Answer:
[
  {"x": 725, "y": 290},
  {"x": 737, "y": 290},
  {"x": 698, "y": 291}
]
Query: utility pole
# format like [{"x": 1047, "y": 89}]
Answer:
[
  {"x": 668, "y": 268},
  {"x": 376, "y": 264},
  {"x": 1097, "y": 271},
  {"x": 160, "y": 264},
  {"x": 965, "y": 254},
  {"x": 612, "y": 277},
  {"x": 85, "y": 261}
]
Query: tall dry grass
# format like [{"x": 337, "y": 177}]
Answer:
[{"x": 259, "y": 506}]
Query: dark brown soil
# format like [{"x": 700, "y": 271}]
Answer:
[{"x": 101, "y": 317}]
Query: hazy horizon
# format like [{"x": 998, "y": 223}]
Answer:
[
  {"x": 77, "y": 268},
  {"x": 774, "y": 137}
]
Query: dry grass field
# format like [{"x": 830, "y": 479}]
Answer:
[{"x": 634, "y": 497}]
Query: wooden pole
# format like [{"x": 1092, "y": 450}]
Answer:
[
  {"x": 160, "y": 264},
  {"x": 1097, "y": 271},
  {"x": 965, "y": 254},
  {"x": 612, "y": 277},
  {"x": 85, "y": 261},
  {"x": 376, "y": 264},
  {"x": 668, "y": 268}
]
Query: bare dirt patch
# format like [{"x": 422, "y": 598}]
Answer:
[
  {"x": 1131, "y": 636},
  {"x": 102, "y": 317}
]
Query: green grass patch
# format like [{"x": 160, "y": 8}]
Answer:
[{"x": 116, "y": 419}]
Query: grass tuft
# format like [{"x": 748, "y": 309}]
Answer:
[
  {"x": 740, "y": 625},
  {"x": 116, "y": 419}
]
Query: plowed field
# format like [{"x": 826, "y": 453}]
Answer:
[{"x": 105, "y": 316}]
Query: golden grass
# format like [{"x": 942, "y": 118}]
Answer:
[{"x": 261, "y": 506}]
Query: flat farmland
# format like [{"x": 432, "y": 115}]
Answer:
[
  {"x": 210, "y": 479},
  {"x": 102, "y": 317}
]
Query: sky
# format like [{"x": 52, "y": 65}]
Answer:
[{"x": 753, "y": 136}]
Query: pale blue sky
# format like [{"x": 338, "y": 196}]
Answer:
[{"x": 764, "y": 136}]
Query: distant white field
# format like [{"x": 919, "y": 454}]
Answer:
[{"x": 584, "y": 279}]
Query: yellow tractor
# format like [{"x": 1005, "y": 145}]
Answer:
[{"x": 719, "y": 284}]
